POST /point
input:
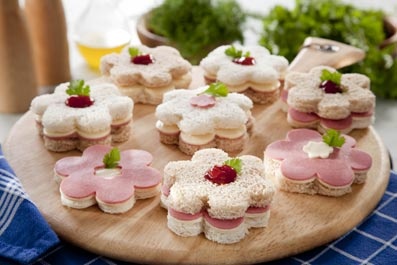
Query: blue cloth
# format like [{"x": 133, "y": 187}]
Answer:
[
  {"x": 374, "y": 241},
  {"x": 24, "y": 234}
]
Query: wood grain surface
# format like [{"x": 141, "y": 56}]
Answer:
[{"x": 297, "y": 223}]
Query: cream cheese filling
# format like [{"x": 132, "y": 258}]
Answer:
[
  {"x": 96, "y": 135},
  {"x": 83, "y": 134},
  {"x": 201, "y": 139},
  {"x": 197, "y": 139},
  {"x": 167, "y": 129},
  {"x": 108, "y": 173},
  {"x": 264, "y": 87},
  {"x": 231, "y": 133},
  {"x": 122, "y": 120}
]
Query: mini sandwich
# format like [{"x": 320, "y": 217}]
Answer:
[
  {"x": 78, "y": 115},
  {"x": 311, "y": 163},
  {"x": 105, "y": 176},
  {"x": 250, "y": 70},
  {"x": 217, "y": 195},
  {"x": 145, "y": 74},
  {"x": 326, "y": 99},
  {"x": 203, "y": 118}
]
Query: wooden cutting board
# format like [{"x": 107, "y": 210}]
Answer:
[{"x": 298, "y": 222}]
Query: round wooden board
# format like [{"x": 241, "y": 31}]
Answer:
[{"x": 298, "y": 222}]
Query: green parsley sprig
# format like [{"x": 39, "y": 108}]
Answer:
[
  {"x": 134, "y": 51},
  {"x": 217, "y": 89},
  {"x": 111, "y": 159},
  {"x": 78, "y": 87},
  {"x": 335, "y": 77},
  {"x": 235, "y": 163},
  {"x": 333, "y": 138},
  {"x": 235, "y": 53}
]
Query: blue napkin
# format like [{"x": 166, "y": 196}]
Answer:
[{"x": 24, "y": 234}]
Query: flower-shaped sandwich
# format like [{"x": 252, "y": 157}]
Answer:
[
  {"x": 251, "y": 70},
  {"x": 145, "y": 74},
  {"x": 204, "y": 117},
  {"x": 106, "y": 177},
  {"x": 325, "y": 99},
  {"x": 77, "y": 115},
  {"x": 307, "y": 162},
  {"x": 215, "y": 194}
]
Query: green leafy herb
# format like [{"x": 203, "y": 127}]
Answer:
[
  {"x": 133, "y": 51},
  {"x": 78, "y": 87},
  {"x": 111, "y": 159},
  {"x": 333, "y": 138},
  {"x": 285, "y": 29},
  {"x": 235, "y": 163},
  {"x": 234, "y": 53},
  {"x": 196, "y": 27},
  {"x": 335, "y": 77},
  {"x": 217, "y": 89}
]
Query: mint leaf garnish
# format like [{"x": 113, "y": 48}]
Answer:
[
  {"x": 335, "y": 77},
  {"x": 133, "y": 51},
  {"x": 78, "y": 87},
  {"x": 235, "y": 163},
  {"x": 217, "y": 89},
  {"x": 333, "y": 138},
  {"x": 235, "y": 53},
  {"x": 111, "y": 159}
]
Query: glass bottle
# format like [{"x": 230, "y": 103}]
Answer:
[{"x": 100, "y": 29}]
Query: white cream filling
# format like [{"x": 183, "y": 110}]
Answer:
[
  {"x": 200, "y": 139},
  {"x": 266, "y": 87},
  {"x": 80, "y": 133},
  {"x": 90, "y": 135},
  {"x": 197, "y": 139},
  {"x": 231, "y": 133},
  {"x": 317, "y": 149},
  {"x": 108, "y": 173},
  {"x": 93, "y": 135},
  {"x": 122, "y": 121},
  {"x": 168, "y": 129}
]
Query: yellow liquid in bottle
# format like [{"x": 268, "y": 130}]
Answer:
[
  {"x": 93, "y": 45},
  {"x": 92, "y": 55}
]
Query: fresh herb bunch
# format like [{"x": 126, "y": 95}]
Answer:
[
  {"x": 286, "y": 29},
  {"x": 195, "y": 27}
]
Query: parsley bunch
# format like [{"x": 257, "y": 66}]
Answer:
[
  {"x": 285, "y": 30},
  {"x": 196, "y": 27}
]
